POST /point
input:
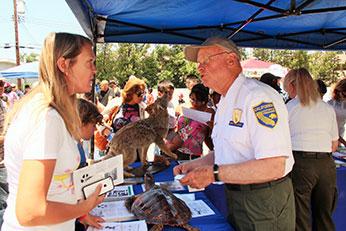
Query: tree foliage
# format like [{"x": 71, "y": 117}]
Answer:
[
  {"x": 321, "y": 65},
  {"x": 155, "y": 63},
  {"x": 324, "y": 66},
  {"x": 29, "y": 58},
  {"x": 150, "y": 63}
]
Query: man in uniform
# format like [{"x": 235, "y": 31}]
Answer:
[{"x": 252, "y": 149}]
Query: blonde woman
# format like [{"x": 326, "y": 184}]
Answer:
[
  {"x": 41, "y": 140},
  {"x": 314, "y": 136}
]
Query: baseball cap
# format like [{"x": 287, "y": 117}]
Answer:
[
  {"x": 191, "y": 52},
  {"x": 268, "y": 78}
]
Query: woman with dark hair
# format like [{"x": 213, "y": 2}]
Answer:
[
  {"x": 314, "y": 136},
  {"x": 188, "y": 142},
  {"x": 338, "y": 102}
]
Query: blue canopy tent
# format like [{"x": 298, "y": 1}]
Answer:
[
  {"x": 26, "y": 70},
  {"x": 294, "y": 24},
  {"x": 276, "y": 24}
]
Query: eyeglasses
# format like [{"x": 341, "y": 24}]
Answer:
[{"x": 207, "y": 60}]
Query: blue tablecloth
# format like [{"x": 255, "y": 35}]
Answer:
[
  {"x": 216, "y": 222},
  {"x": 214, "y": 195},
  {"x": 217, "y": 196},
  {"x": 339, "y": 215}
]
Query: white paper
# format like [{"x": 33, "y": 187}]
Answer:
[
  {"x": 120, "y": 193},
  {"x": 185, "y": 196},
  {"x": 199, "y": 208},
  {"x": 179, "y": 176},
  {"x": 194, "y": 189},
  {"x": 111, "y": 167},
  {"x": 113, "y": 211},
  {"x": 172, "y": 186},
  {"x": 200, "y": 116},
  {"x": 340, "y": 155},
  {"x": 122, "y": 226}
]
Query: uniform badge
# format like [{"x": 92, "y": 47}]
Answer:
[
  {"x": 236, "y": 118},
  {"x": 236, "y": 115},
  {"x": 266, "y": 114}
]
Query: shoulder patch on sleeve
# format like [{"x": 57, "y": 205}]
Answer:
[{"x": 266, "y": 114}]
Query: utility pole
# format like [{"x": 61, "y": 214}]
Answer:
[
  {"x": 19, "y": 11},
  {"x": 16, "y": 32}
]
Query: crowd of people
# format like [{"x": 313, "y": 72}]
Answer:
[{"x": 274, "y": 158}]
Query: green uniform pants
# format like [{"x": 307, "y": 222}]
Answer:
[
  {"x": 266, "y": 209},
  {"x": 314, "y": 184}
]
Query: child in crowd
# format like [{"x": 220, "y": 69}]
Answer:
[
  {"x": 167, "y": 87},
  {"x": 89, "y": 116},
  {"x": 188, "y": 140}
]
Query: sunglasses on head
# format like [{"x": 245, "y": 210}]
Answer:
[{"x": 140, "y": 93}]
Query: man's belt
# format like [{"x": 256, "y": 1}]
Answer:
[
  {"x": 249, "y": 187},
  {"x": 311, "y": 155}
]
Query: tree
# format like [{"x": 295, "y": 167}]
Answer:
[
  {"x": 172, "y": 64},
  {"x": 263, "y": 54},
  {"x": 119, "y": 61},
  {"x": 29, "y": 58},
  {"x": 324, "y": 66},
  {"x": 287, "y": 58}
]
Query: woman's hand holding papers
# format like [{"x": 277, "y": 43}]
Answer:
[
  {"x": 94, "y": 199},
  {"x": 93, "y": 221}
]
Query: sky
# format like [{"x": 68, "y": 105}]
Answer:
[{"x": 40, "y": 18}]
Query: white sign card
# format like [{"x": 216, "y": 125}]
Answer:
[
  {"x": 196, "y": 115},
  {"x": 186, "y": 196},
  {"x": 122, "y": 226},
  {"x": 120, "y": 193},
  {"x": 172, "y": 186},
  {"x": 85, "y": 176},
  {"x": 199, "y": 208},
  {"x": 113, "y": 211}
]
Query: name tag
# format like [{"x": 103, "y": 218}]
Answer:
[{"x": 239, "y": 124}]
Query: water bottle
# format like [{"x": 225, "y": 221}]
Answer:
[{"x": 110, "y": 137}]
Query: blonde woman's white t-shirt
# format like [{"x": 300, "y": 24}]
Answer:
[
  {"x": 40, "y": 139},
  {"x": 313, "y": 128}
]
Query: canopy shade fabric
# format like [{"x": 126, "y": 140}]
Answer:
[
  {"x": 26, "y": 70},
  {"x": 282, "y": 24}
]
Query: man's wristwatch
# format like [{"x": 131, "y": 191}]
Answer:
[{"x": 216, "y": 172}]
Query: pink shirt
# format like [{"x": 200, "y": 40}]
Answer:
[{"x": 193, "y": 134}]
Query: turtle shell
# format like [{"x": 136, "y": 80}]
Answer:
[{"x": 159, "y": 206}]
